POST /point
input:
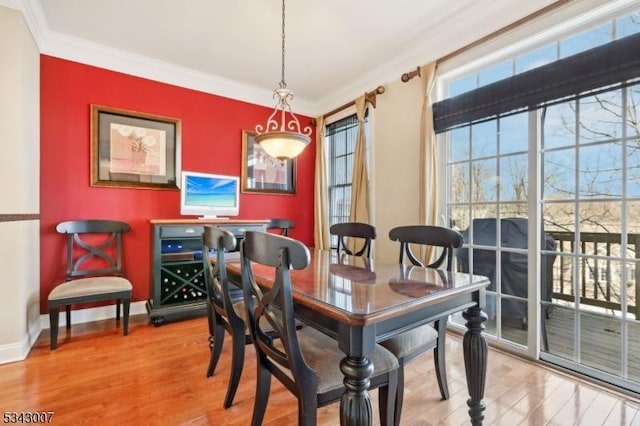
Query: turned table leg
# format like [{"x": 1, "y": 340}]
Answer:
[
  {"x": 355, "y": 405},
  {"x": 475, "y": 362}
]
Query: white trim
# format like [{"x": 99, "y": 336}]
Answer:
[
  {"x": 79, "y": 50},
  {"x": 12, "y": 4},
  {"x": 13, "y": 352},
  {"x": 18, "y": 351},
  {"x": 351, "y": 110},
  {"x": 81, "y": 316}
]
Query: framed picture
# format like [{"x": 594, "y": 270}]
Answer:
[
  {"x": 133, "y": 149},
  {"x": 263, "y": 173}
]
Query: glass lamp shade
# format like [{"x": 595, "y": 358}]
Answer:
[{"x": 283, "y": 145}]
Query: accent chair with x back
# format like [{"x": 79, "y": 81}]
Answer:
[{"x": 94, "y": 271}]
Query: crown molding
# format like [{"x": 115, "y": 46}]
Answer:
[{"x": 79, "y": 50}]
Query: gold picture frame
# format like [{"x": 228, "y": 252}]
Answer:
[
  {"x": 131, "y": 149},
  {"x": 262, "y": 173}
]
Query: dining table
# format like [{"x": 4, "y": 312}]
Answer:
[{"x": 362, "y": 301}]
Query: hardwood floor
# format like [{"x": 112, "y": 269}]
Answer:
[{"x": 156, "y": 376}]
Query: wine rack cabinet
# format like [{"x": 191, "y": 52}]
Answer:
[{"x": 177, "y": 278}]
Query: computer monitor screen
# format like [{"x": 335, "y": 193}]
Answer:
[{"x": 209, "y": 195}]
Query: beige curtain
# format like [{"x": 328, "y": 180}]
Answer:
[
  {"x": 428, "y": 156},
  {"x": 321, "y": 211},
  {"x": 360, "y": 180}
]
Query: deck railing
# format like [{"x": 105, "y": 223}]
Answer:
[{"x": 601, "y": 277}]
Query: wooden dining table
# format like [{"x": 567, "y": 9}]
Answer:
[{"x": 361, "y": 302}]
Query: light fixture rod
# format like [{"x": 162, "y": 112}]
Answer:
[{"x": 283, "y": 84}]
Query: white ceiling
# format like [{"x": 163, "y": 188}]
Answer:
[{"x": 335, "y": 49}]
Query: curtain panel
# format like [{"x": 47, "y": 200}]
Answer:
[{"x": 321, "y": 213}]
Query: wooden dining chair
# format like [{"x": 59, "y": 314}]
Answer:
[
  {"x": 364, "y": 233},
  {"x": 224, "y": 311},
  {"x": 410, "y": 344},
  {"x": 281, "y": 225},
  {"x": 94, "y": 271},
  {"x": 306, "y": 361}
]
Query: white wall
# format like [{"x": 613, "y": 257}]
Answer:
[
  {"x": 19, "y": 186},
  {"x": 396, "y": 166}
]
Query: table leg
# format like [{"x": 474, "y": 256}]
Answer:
[
  {"x": 355, "y": 405},
  {"x": 475, "y": 362}
]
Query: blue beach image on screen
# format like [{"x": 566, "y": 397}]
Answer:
[{"x": 210, "y": 192}]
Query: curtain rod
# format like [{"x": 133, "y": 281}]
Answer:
[
  {"x": 530, "y": 17},
  {"x": 368, "y": 96}
]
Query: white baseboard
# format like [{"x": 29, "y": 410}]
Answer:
[
  {"x": 18, "y": 351},
  {"x": 99, "y": 313},
  {"x": 13, "y": 352}
]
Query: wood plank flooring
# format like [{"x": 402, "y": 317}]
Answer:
[{"x": 156, "y": 376}]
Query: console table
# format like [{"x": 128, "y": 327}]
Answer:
[{"x": 177, "y": 279}]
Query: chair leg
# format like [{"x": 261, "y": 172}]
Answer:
[
  {"x": 263, "y": 386},
  {"x": 118, "y": 309},
  {"x": 68, "y": 310},
  {"x": 126, "y": 305},
  {"x": 439, "y": 357},
  {"x": 397, "y": 410},
  {"x": 307, "y": 408},
  {"x": 216, "y": 342},
  {"x": 212, "y": 334},
  {"x": 54, "y": 316},
  {"x": 237, "y": 362},
  {"x": 383, "y": 398},
  {"x": 387, "y": 399},
  {"x": 545, "y": 342}
]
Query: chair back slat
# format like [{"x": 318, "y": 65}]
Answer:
[
  {"x": 436, "y": 236},
  {"x": 363, "y": 231},
  {"x": 93, "y": 256},
  {"x": 283, "y": 225},
  {"x": 217, "y": 240}
]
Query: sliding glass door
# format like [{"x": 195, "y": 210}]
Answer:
[
  {"x": 590, "y": 205},
  {"x": 548, "y": 201},
  {"x": 543, "y": 180}
]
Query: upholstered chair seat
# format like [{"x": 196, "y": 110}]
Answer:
[
  {"x": 419, "y": 339},
  {"x": 90, "y": 287},
  {"x": 321, "y": 353}
]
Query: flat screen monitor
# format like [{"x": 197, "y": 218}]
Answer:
[{"x": 209, "y": 195}]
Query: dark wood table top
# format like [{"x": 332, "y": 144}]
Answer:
[{"x": 357, "y": 292}]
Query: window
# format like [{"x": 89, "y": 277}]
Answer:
[{"x": 340, "y": 137}]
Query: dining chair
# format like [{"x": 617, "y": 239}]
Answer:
[
  {"x": 282, "y": 225},
  {"x": 362, "y": 231},
  {"x": 306, "y": 361},
  {"x": 410, "y": 344},
  {"x": 94, "y": 271},
  {"x": 224, "y": 312}
]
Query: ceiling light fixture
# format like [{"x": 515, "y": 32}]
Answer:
[{"x": 284, "y": 139}]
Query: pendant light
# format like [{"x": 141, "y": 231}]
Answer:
[{"x": 279, "y": 138}]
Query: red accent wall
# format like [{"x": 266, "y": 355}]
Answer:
[{"x": 211, "y": 142}]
